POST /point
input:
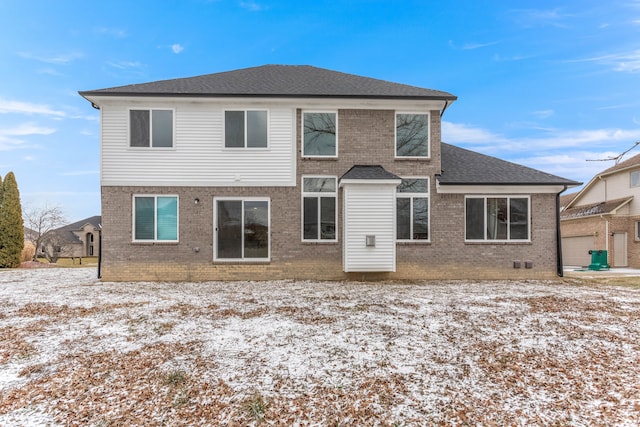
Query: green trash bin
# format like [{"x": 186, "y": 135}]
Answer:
[{"x": 598, "y": 260}]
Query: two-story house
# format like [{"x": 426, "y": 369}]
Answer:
[
  {"x": 300, "y": 172},
  {"x": 604, "y": 215}
]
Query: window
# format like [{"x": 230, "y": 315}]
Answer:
[
  {"x": 151, "y": 128},
  {"x": 242, "y": 229},
  {"x": 245, "y": 129},
  {"x": 319, "y": 213},
  {"x": 412, "y": 209},
  {"x": 635, "y": 179},
  {"x": 412, "y": 135},
  {"x": 637, "y": 230},
  {"x": 497, "y": 218},
  {"x": 319, "y": 134},
  {"x": 155, "y": 218}
]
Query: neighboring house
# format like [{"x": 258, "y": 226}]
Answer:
[
  {"x": 604, "y": 215},
  {"x": 299, "y": 172},
  {"x": 80, "y": 239}
]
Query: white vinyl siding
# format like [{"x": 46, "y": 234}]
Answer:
[
  {"x": 369, "y": 210},
  {"x": 199, "y": 156}
]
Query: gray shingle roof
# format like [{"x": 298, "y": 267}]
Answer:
[
  {"x": 366, "y": 172},
  {"x": 66, "y": 231},
  {"x": 598, "y": 208},
  {"x": 277, "y": 81},
  {"x": 465, "y": 167}
]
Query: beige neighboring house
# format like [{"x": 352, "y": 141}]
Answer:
[
  {"x": 604, "y": 215},
  {"x": 80, "y": 239}
]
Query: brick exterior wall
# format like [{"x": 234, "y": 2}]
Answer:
[{"x": 364, "y": 137}]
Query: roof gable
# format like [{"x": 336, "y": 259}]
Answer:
[
  {"x": 466, "y": 167},
  {"x": 277, "y": 81}
]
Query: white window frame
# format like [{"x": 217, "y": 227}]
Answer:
[
  {"x": 245, "y": 111},
  {"x": 151, "y": 110},
  {"x": 318, "y": 195},
  {"x": 215, "y": 229},
  {"x": 499, "y": 196},
  {"x": 395, "y": 134},
  {"x": 316, "y": 156},
  {"x": 408, "y": 195},
  {"x": 155, "y": 212}
]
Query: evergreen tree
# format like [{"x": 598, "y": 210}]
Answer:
[{"x": 11, "y": 226}]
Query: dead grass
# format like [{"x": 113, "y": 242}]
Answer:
[{"x": 77, "y": 352}]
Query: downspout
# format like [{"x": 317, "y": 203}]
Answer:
[
  {"x": 446, "y": 104},
  {"x": 560, "y": 266}
]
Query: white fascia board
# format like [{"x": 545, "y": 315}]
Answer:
[
  {"x": 499, "y": 189},
  {"x": 393, "y": 182},
  {"x": 304, "y": 103}
]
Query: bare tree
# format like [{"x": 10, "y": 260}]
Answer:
[{"x": 43, "y": 221}]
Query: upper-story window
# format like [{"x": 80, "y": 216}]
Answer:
[
  {"x": 412, "y": 135},
  {"x": 151, "y": 128},
  {"x": 245, "y": 129},
  {"x": 412, "y": 209},
  {"x": 635, "y": 179},
  {"x": 319, "y": 134}
]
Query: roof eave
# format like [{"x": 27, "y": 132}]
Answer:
[{"x": 86, "y": 94}]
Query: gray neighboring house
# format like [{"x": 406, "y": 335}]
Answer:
[
  {"x": 299, "y": 172},
  {"x": 80, "y": 239}
]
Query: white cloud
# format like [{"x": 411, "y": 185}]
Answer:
[
  {"x": 26, "y": 129},
  {"x": 80, "y": 173},
  {"x": 623, "y": 62},
  {"x": 125, "y": 65},
  {"x": 58, "y": 59},
  {"x": 529, "y": 18},
  {"x": 112, "y": 32},
  {"x": 543, "y": 114},
  {"x": 8, "y": 140},
  {"x": 177, "y": 48},
  {"x": 574, "y": 154},
  {"x": 20, "y": 107},
  {"x": 460, "y": 132},
  {"x": 252, "y": 6}
]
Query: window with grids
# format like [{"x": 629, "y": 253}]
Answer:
[
  {"x": 245, "y": 129},
  {"x": 319, "y": 134},
  {"x": 151, "y": 128},
  {"x": 497, "y": 218},
  {"x": 319, "y": 213},
  {"x": 412, "y": 209},
  {"x": 155, "y": 218}
]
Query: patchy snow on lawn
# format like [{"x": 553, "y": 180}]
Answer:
[{"x": 77, "y": 351}]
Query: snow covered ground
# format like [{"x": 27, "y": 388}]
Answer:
[{"x": 76, "y": 351}]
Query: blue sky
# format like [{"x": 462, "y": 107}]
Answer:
[{"x": 546, "y": 84}]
